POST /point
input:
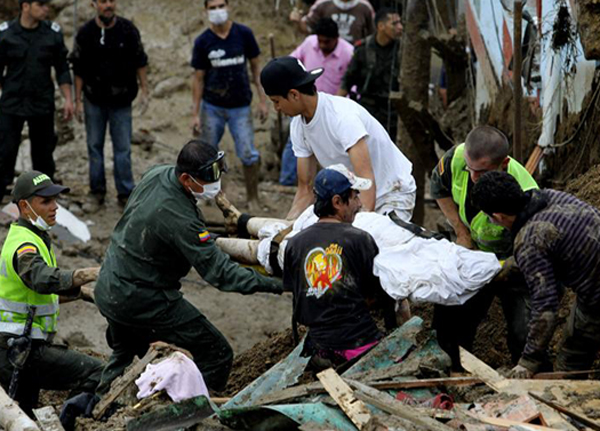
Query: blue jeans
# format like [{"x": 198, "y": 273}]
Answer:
[
  {"x": 288, "y": 175},
  {"x": 213, "y": 120},
  {"x": 119, "y": 121}
]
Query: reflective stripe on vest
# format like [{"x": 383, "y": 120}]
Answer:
[
  {"x": 16, "y": 297},
  {"x": 488, "y": 236}
]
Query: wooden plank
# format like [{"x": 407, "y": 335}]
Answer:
[
  {"x": 316, "y": 387},
  {"x": 584, "y": 420},
  {"x": 121, "y": 384},
  {"x": 342, "y": 394},
  {"x": 494, "y": 380},
  {"x": 12, "y": 418},
  {"x": 390, "y": 405},
  {"x": 507, "y": 423},
  {"x": 48, "y": 419}
]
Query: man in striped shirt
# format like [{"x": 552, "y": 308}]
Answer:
[{"x": 556, "y": 245}]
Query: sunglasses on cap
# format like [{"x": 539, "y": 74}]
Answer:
[{"x": 211, "y": 172}]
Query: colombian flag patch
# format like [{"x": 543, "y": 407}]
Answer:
[
  {"x": 204, "y": 236},
  {"x": 26, "y": 249}
]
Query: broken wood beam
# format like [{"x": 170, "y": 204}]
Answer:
[
  {"x": 390, "y": 405},
  {"x": 12, "y": 418},
  {"x": 119, "y": 385},
  {"x": 339, "y": 390},
  {"x": 48, "y": 419},
  {"x": 584, "y": 420}
]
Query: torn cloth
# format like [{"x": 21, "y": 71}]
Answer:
[{"x": 178, "y": 375}]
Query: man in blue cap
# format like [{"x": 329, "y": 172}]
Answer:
[{"x": 329, "y": 268}]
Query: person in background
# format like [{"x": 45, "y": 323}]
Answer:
[
  {"x": 30, "y": 47},
  {"x": 221, "y": 92},
  {"x": 108, "y": 61},
  {"x": 375, "y": 68},
  {"x": 353, "y": 17}
]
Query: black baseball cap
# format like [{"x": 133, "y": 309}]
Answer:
[
  {"x": 282, "y": 74},
  {"x": 36, "y": 183}
]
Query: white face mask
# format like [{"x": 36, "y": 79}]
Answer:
[
  {"x": 39, "y": 222},
  {"x": 343, "y": 5},
  {"x": 210, "y": 191},
  {"x": 218, "y": 16}
]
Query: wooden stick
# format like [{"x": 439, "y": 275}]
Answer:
[
  {"x": 507, "y": 423},
  {"x": 120, "y": 385},
  {"x": 48, "y": 420},
  {"x": 339, "y": 390},
  {"x": 579, "y": 418},
  {"x": 12, "y": 418},
  {"x": 560, "y": 375}
]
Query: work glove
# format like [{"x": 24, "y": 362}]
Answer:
[
  {"x": 520, "y": 372},
  {"x": 79, "y": 405}
]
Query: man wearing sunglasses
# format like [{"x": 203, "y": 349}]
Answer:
[
  {"x": 485, "y": 149},
  {"x": 159, "y": 238}
]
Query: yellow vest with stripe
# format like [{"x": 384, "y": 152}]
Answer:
[
  {"x": 16, "y": 298},
  {"x": 488, "y": 236}
]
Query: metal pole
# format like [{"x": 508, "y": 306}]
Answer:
[{"x": 517, "y": 88}]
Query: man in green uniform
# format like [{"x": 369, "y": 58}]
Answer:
[
  {"x": 159, "y": 238},
  {"x": 30, "y": 48},
  {"x": 452, "y": 180},
  {"x": 31, "y": 282},
  {"x": 374, "y": 70}
]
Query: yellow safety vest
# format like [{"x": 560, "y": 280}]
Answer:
[
  {"x": 16, "y": 298},
  {"x": 487, "y": 235}
]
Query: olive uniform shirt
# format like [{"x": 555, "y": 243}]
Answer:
[
  {"x": 27, "y": 57},
  {"x": 160, "y": 236},
  {"x": 35, "y": 273}
]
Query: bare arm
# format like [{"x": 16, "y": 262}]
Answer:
[
  {"x": 361, "y": 162},
  {"x": 197, "y": 92},
  {"x": 68, "y": 108},
  {"x": 79, "y": 97},
  {"x": 450, "y": 210},
  {"x": 262, "y": 105},
  {"x": 342, "y": 92},
  {"x": 142, "y": 75},
  {"x": 307, "y": 170}
]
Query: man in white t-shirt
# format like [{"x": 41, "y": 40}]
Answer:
[{"x": 328, "y": 130}]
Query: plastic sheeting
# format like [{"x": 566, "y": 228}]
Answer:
[{"x": 423, "y": 270}]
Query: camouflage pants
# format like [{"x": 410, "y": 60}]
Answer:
[{"x": 581, "y": 340}]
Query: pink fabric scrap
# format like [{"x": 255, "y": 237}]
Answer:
[
  {"x": 178, "y": 375},
  {"x": 353, "y": 353}
]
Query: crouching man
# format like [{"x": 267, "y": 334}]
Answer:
[
  {"x": 31, "y": 286},
  {"x": 556, "y": 246},
  {"x": 329, "y": 267}
]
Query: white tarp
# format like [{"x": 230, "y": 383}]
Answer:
[{"x": 423, "y": 270}]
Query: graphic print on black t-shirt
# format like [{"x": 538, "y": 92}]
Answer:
[{"x": 322, "y": 268}]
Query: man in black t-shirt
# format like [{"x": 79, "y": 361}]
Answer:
[
  {"x": 108, "y": 60},
  {"x": 221, "y": 92},
  {"x": 329, "y": 267}
]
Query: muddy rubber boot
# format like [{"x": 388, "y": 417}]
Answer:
[{"x": 251, "y": 176}]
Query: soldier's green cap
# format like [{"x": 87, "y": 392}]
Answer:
[{"x": 36, "y": 183}]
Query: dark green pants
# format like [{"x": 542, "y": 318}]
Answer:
[
  {"x": 50, "y": 367},
  {"x": 211, "y": 351},
  {"x": 581, "y": 340}
]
